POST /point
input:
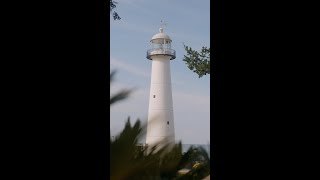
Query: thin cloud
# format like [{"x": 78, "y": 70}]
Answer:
[
  {"x": 134, "y": 27},
  {"x": 137, "y": 101},
  {"x": 129, "y": 68},
  {"x": 187, "y": 102},
  {"x": 130, "y": 2},
  {"x": 137, "y": 5}
]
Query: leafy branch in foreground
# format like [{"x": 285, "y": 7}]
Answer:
[
  {"x": 198, "y": 62},
  {"x": 130, "y": 161},
  {"x": 123, "y": 94}
]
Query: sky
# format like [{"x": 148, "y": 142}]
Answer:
[{"x": 188, "y": 22}]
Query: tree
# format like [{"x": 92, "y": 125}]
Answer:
[
  {"x": 201, "y": 168},
  {"x": 128, "y": 161},
  {"x": 198, "y": 62},
  {"x": 112, "y": 7}
]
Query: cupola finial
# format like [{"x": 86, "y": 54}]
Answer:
[{"x": 162, "y": 24}]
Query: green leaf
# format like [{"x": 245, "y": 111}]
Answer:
[{"x": 198, "y": 62}]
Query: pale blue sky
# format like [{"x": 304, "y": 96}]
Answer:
[{"x": 188, "y": 22}]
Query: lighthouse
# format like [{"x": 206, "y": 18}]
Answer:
[{"x": 160, "y": 114}]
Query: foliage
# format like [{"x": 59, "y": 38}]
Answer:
[
  {"x": 162, "y": 161},
  {"x": 128, "y": 161},
  {"x": 201, "y": 168},
  {"x": 112, "y": 7},
  {"x": 123, "y": 94},
  {"x": 198, "y": 62}
]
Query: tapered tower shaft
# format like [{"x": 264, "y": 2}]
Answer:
[{"x": 160, "y": 114}]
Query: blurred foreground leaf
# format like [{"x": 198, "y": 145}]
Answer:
[{"x": 123, "y": 94}]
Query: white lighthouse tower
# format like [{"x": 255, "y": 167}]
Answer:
[{"x": 160, "y": 114}]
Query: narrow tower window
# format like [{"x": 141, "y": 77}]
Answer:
[
  {"x": 154, "y": 96},
  {"x": 168, "y": 122}
]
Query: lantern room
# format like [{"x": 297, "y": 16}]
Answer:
[{"x": 161, "y": 46}]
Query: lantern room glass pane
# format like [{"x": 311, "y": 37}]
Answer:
[
  {"x": 161, "y": 46},
  {"x": 160, "y": 41}
]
